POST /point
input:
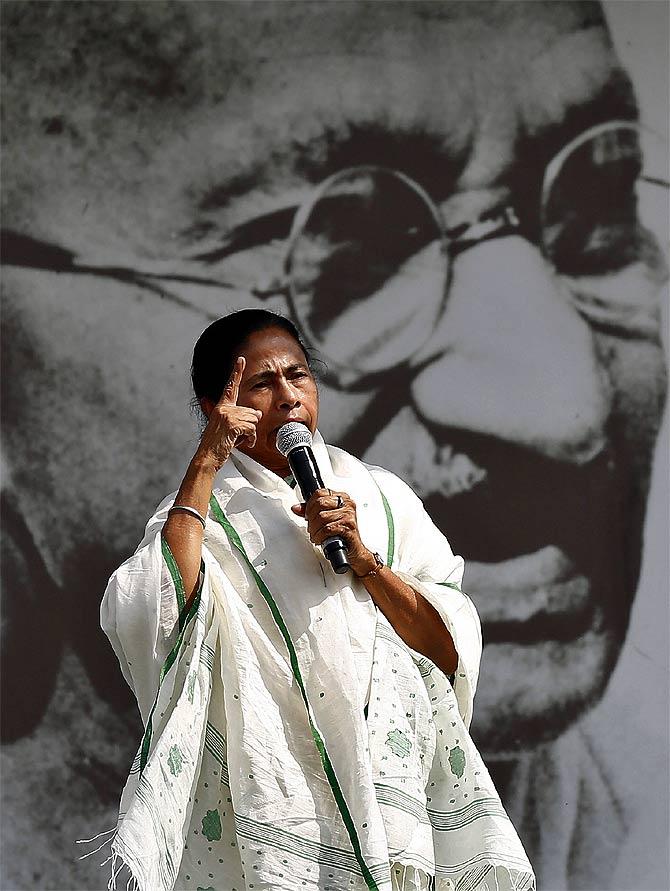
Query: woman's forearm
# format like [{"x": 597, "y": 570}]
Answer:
[
  {"x": 415, "y": 620},
  {"x": 227, "y": 424},
  {"x": 182, "y": 531}
]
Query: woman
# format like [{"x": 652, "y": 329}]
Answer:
[{"x": 301, "y": 729}]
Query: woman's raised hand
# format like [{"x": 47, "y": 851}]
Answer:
[{"x": 229, "y": 423}]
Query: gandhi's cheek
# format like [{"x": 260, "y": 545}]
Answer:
[
  {"x": 97, "y": 412},
  {"x": 638, "y": 372}
]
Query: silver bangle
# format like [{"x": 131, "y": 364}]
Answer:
[{"x": 188, "y": 510}]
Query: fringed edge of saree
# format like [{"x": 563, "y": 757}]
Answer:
[
  {"x": 491, "y": 877},
  {"x": 122, "y": 868},
  {"x": 125, "y": 871},
  {"x": 118, "y": 860},
  {"x": 481, "y": 878}
]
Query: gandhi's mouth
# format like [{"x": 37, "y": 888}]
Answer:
[
  {"x": 540, "y": 540},
  {"x": 539, "y": 596}
]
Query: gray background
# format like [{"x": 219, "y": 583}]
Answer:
[{"x": 106, "y": 110}]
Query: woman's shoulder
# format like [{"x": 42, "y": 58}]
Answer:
[{"x": 392, "y": 486}]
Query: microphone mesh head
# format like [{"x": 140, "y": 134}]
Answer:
[{"x": 291, "y": 435}]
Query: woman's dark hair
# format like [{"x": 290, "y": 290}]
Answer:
[{"x": 219, "y": 345}]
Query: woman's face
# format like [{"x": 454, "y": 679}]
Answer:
[{"x": 278, "y": 382}]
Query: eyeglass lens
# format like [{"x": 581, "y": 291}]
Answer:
[
  {"x": 367, "y": 269},
  {"x": 602, "y": 208}
]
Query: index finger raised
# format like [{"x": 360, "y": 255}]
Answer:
[{"x": 232, "y": 389}]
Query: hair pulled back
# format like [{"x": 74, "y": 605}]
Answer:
[{"x": 219, "y": 345}]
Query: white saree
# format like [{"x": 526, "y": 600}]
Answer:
[{"x": 292, "y": 740}]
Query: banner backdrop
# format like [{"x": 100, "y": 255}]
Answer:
[{"x": 464, "y": 207}]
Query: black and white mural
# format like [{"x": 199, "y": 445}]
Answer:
[{"x": 463, "y": 205}]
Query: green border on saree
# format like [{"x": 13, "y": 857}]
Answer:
[
  {"x": 390, "y": 525},
  {"x": 450, "y": 585},
  {"x": 185, "y": 616},
  {"x": 177, "y": 580},
  {"x": 236, "y": 541}
]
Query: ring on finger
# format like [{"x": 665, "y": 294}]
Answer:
[{"x": 340, "y": 502}]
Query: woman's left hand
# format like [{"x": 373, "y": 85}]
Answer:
[
  {"x": 417, "y": 622},
  {"x": 329, "y": 514}
]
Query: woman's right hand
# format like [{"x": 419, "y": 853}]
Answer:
[{"x": 228, "y": 423}]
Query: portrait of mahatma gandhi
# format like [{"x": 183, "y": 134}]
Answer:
[{"x": 447, "y": 199}]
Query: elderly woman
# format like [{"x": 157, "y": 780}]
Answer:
[{"x": 303, "y": 729}]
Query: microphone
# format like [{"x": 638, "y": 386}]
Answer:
[{"x": 294, "y": 441}]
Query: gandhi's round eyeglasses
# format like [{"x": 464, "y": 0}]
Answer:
[
  {"x": 369, "y": 258},
  {"x": 365, "y": 263}
]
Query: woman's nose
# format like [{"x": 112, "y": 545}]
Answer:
[
  {"x": 287, "y": 395},
  {"x": 512, "y": 358}
]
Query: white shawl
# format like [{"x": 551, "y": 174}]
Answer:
[{"x": 292, "y": 740}]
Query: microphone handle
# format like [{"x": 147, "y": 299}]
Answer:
[{"x": 304, "y": 468}]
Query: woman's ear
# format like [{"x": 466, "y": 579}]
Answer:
[{"x": 206, "y": 405}]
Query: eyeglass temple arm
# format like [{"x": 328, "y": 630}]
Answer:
[{"x": 656, "y": 181}]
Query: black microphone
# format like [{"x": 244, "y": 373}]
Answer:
[{"x": 294, "y": 441}]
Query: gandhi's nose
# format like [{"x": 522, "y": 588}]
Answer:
[{"x": 512, "y": 358}]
